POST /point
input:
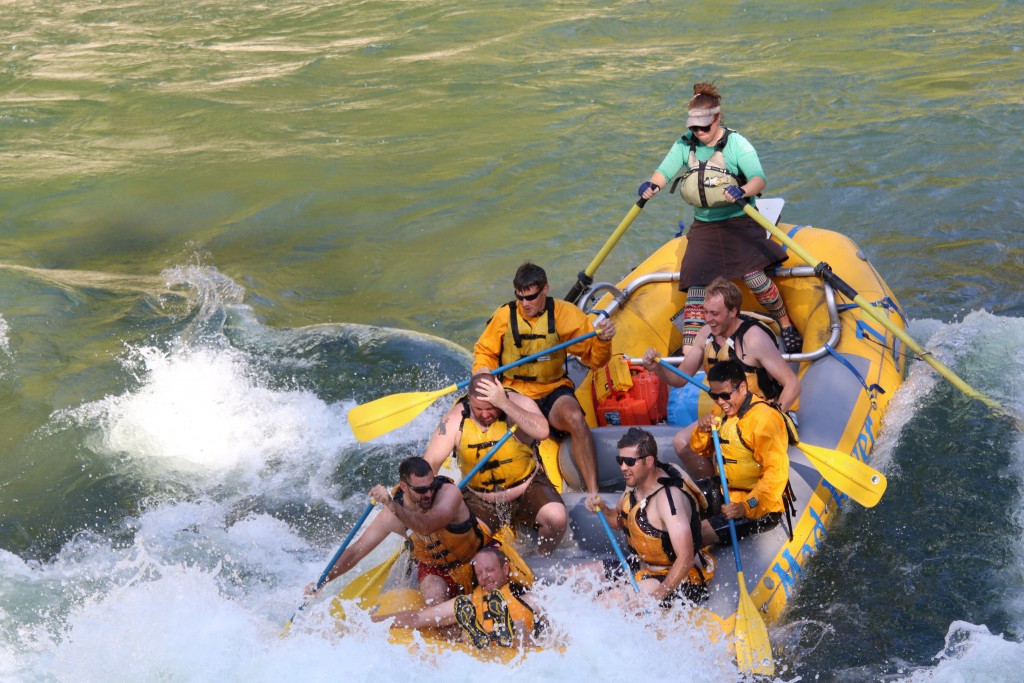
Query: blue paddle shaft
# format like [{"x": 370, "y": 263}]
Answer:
[
  {"x": 618, "y": 549},
  {"x": 692, "y": 380},
  {"x": 535, "y": 356},
  {"x": 483, "y": 461},
  {"x": 725, "y": 496}
]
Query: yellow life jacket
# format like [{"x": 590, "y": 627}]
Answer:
[
  {"x": 704, "y": 183},
  {"x": 453, "y": 545},
  {"x": 652, "y": 545},
  {"x": 759, "y": 381},
  {"x": 517, "y": 344},
  {"x": 517, "y": 609},
  {"x": 741, "y": 469},
  {"x": 512, "y": 464}
]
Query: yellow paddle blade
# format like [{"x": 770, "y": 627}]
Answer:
[
  {"x": 849, "y": 475},
  {"x": 753, "y": 649},
  {"x": 370, "y": 420},
  {"x": 366, "y": 587}
]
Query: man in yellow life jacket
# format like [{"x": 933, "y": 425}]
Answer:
[
  {"x": 727, "y": 335},
  {"x": 755, "y": 437},
  {"x": 529, "y": 325},
  {"x": 498, "y": 612},
  {"x": 660, "y": 515},
  {"x": 444, "y": 533},
  {"x": 512, "y": 488}
]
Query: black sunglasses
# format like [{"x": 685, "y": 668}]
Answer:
[
  {"x": 722, "y": 395},
  {"x": 702, "y": 129},
  {"x": 424, "y": 489},
  {"x": 529, "y": 297},
  {"x": 627, "y": 461}
]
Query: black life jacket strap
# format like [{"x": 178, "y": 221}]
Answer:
[{"x": 513, "y": 321}]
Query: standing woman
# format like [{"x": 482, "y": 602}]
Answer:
[{"x": 722, "y": 167}]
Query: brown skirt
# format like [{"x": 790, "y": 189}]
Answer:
[{"x": 730, "y": 248}]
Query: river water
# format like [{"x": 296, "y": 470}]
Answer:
[{"x": 223, "y": 224}]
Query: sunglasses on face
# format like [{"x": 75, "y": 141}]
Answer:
[
  {"x": 529, "y": 297},
  {"x": 424, "y": 489},
  {"x": 627, "y": 461},
  {"x": 701, "y": 129},
  {"x": 722, "y": 395}
]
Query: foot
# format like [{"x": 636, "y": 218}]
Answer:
[
  {"x": 497, "y": 609},
  {"x": 465, "y": 615},
  {"x": 792, "y": 342}
]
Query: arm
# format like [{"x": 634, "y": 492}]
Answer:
[
  {"x": 383, "y": 524},
  {"x": 701, "y": 441},
  {"x": 487, "y": 351},
  {"x": 692, "y": 361},
  {"x": 678, "y": 528},
  {"x": 519, "y": 410},
  {"x": 760, "y": 348},
  {"x": 445, "y": 438},
  {"x": 771, "y": 449},
  {"x": 571, "y": 322},
  {"x": 447, "y": 503},
  {"x": 441, "y": 614}
]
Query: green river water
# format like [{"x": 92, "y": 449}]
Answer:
[{"x": 207, "y": 209}]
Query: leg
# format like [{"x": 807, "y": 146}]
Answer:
[
  {"x": 693, "y": 316},
  {"x": 551, "y": 523},
  {"x": 566, "y": 415},
  {"x": 542, "y": 507},
  {"x": 697, "y": 466},
  {"x": 435, "y": 589},
  {"x": 767, "y": 294}
]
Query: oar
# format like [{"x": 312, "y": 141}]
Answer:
[
  {"x": 370, "y": 420},
  {"x": 753, "y": 649},
  {"x": 327, "y": 570},
  {"x": 847, "y": 474},
  {"x": 585, "y": 278},
  {"x": 617, "y": 548},
  {"x": 824, "y": 271},
  {"x": 364, "y": 581}
]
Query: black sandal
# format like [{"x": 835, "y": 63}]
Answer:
[
  {"x": 497, "y": 610},
  {"x": 465, "y": 615},
  {"x": 792, "y": 342}
]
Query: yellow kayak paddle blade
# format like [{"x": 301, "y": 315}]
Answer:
[
  {"x": 753, "y": 649},
  {"x": 370, "y": 420},
  {"x": 850, "y": 476}
]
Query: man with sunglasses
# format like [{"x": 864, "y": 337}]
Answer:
[
  {"x": 722, "y": 172},
  {"x": 660, "y": 515},
  {"x": 727, "y": 335},
  {"x": 512, "y": 488},
  {"x": 430, "y": 512},
  {"x": 530, "y": 324},
  {"x": 755, "y": 437}
]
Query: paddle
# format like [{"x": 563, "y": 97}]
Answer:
[
  {"x": 586, "y": 277},
  {"x": 370, "y": 420},
  {"x": 753, "y": 649},
  {"x": 617, "y": 548},
  {"x": 824, "y": 271},
  {"x": 327, "y": 570},
  {"x": 847, "y": 474},
  {"x": 373, "y": 576}
]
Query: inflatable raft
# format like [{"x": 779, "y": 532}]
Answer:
[{"x": 849, "y": 367}]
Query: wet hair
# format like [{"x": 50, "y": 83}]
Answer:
[
  {"x": 528, "y": 275},
  {"x": 475, "y": 381},
  {"x": 496, "y": 551},
  {"x": 413, "y": 467},
  {"x": 731, "y": 295},
  {"x": 705, "y": 96},
  {"x": 727, "y": 371},
  {"x": 642, "y": 439}
]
